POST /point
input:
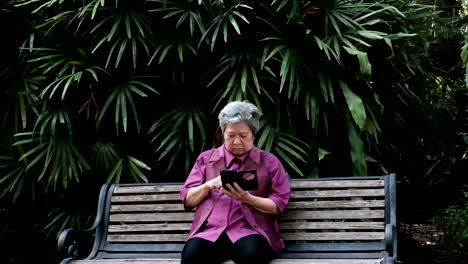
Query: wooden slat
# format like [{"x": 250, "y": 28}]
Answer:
[
  {"x": 292, "y": 204},
  {"x": 338, "y": 193},
  {"x": 297, "y": 215},
  {"x": 331, "y": 225},
  {"x": 146, "y": 207},
  {"x": 147, "y": 238},
  {"x": 327, "y": 261},
  {"x": 277, "y": 261},
  {"x": 337, "y": 204},
  {"x": 149, "y": 227},
  {"x": 147, "y": 198},
  {"x": 127, "y": 261},
  {"x": 323, "y": 236},
  {"x": 152, "y": 217},
  {"x": 336, "y": 183},
  {"x": 334, "y": 214},
  {"x": 148, "y": 189}
]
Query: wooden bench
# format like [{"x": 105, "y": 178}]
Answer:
[{"x": 348, "y": 220}]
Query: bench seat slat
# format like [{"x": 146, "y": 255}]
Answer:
[
  {"x": 336, "y": 184},
  {"x": 324, "y": 236},
  {"x": 337, "y": 204},
  {"x": 152, "y": 217},
  {"x": 296, "y": 215},
  {"x": 334, "y": 214},
  {"x": 317, "y": 236},
  {"x": 134, "y": 207},
  {"x": 145, "y": 248},
  {"x": 148, "y": 238},
  {"x": 335, "y": 248},
  {"x": 146, "y": 207},
  {"x": 338, "y": 193},
  {"x": 149, "y": 227},
  {"x": 292, "y": 205},
  {"x": 276, "y": 261},
  {"x": 331, "y": 225},
  {"x": 138, "y": 248},
  {"x": 365, "y": 246},
  {"x": 175, "y": 188},
  {"x": 327, "y": 261},
  {"x": 294, "y": 195},
  {"x": 147, "y": 198}
]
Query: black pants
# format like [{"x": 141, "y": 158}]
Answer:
[{"x": 253, "y": 249}]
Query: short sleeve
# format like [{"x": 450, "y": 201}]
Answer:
[{"x": 280, "y": 187}]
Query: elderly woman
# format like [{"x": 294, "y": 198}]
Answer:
[{"x": 234, "y": 223}]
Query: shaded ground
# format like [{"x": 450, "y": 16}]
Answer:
[{"x": 418, "y": 245}]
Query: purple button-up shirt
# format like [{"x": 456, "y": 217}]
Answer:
[{"x": 218, "y": 212}]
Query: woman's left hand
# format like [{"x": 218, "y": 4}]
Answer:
[
  {"x": 237, "y": 193},
  {"x": 262, "y": 204}
]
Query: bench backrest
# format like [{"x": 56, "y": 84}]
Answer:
[{"x": 350, "y": 217}]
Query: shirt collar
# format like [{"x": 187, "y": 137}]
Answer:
[
  {"x": 221, "y": 152},
  {"x": 230, "y": 157}
]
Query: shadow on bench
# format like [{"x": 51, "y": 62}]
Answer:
[{"x": 348, "y": 220}]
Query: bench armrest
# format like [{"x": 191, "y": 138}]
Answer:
[
  {"x": 72, "y": 242},
  {"x": 390, "y": 237},
  {"x": 75, "y": 243}
]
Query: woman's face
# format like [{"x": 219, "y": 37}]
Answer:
[{"x": 238, "y": 138}]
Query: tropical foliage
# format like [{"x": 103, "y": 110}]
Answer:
[{"x": 102, "y": 91}]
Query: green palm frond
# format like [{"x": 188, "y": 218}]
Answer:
[
  {"x": 241, "y": 75},
  {"x": 240, "y": 70},
  {"x": 43, "y": 5},
  {"x": 182, "y": 12},
  {"x": 69, "y": 70},
  {"x": 14, "y": 177},
  {"x": 289, "y": 149},
  {"x": 128, "y": 166},
  {"x": 218, "y": 27},
  {"x": 54, "y": 59},
  {"x": 58, "y": 219},
  {"x": 182, "y": 128},
  {"x": 312, "y": 108},
  {"x": 355, "y": 105},
  {"x": 357, "y": 152},
  {"x": 104, "y": 155},
  {"x": 291, "y": 66},
  {"x": 350, "y": 27},
  {"x": 124, "y": 34},
  {"x": 58, "y": 158},
  {"x": 122, "y": 96},
  {"x": 172, "y": 50},
  {"x": 23, "y": 103},
  {"x": 117, "y": 164},
  {"x": 52, "y": 120},
  {"x": 296, "y": 7},
  {"x": 64, "y": 83}
]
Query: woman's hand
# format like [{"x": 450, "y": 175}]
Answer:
[
  {"x": 197, "y": 194},
  {"x": 264, "y": 205},
  {"x": 215, "y": 184},
  {"x": 237, "y": 193}
]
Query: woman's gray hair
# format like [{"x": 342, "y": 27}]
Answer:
[{"x": 238, "y": 112}]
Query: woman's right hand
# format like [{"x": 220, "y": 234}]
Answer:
[
  {"x": 215, "y": 184},
  {"x": 197, "y": 194}
]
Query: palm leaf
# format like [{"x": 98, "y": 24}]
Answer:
[{"x": 355, "y": 105}]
